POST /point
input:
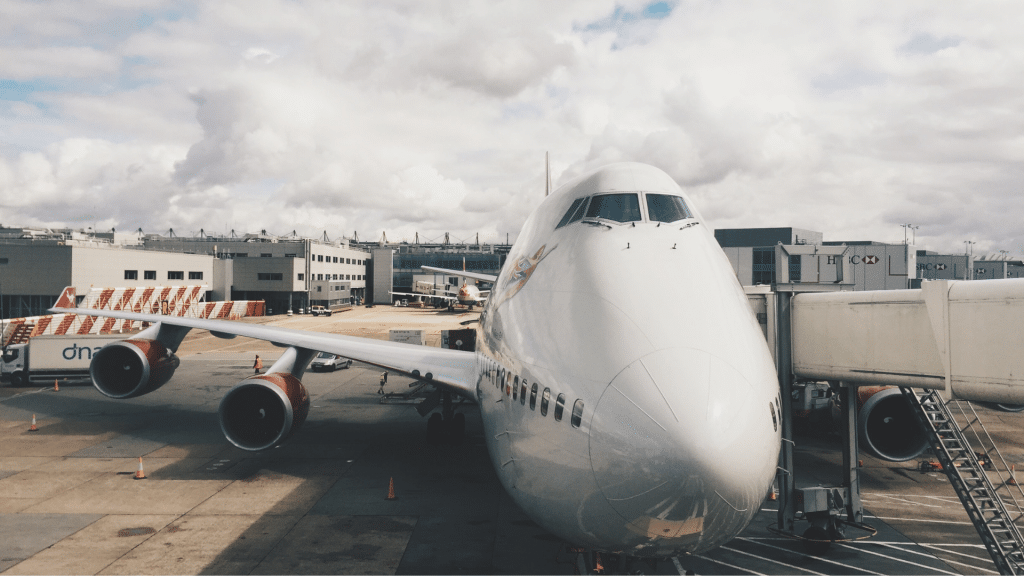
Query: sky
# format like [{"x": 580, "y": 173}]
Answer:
[{"x": 417, "y": 116}]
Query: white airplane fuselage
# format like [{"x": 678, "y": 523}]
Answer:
[
  {"x": 469, "y": 295},
  {"x": 677, "y": 429}
]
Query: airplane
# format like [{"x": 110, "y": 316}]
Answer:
[
  {"x": 469, "y": 295},
  {"x": 646, "y": 428}
]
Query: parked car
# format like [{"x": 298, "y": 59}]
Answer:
[
  {"x": 327, "y": 362},
  {"x": 318, "y": 310}
]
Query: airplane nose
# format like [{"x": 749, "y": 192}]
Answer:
[{"x": 674, "y": 441}]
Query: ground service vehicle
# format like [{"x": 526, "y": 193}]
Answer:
[
  {"x": 318, "y": 310},
  {"x": 327, "y": 362},
  {"x": 52, "y": 357}
]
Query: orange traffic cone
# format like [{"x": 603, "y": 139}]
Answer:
[
  {"x": 33, "y": 427},
  {"x": 1013, "y": 475},
  {"x": 391, "y": 490},
  {"x": 56, "y": 388},
  {"x": 140, "y": 475}
]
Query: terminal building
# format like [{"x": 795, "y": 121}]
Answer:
[{"x": 288, "y": 274}]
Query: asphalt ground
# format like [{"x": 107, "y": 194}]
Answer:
[{"x": 69, "y": 502}]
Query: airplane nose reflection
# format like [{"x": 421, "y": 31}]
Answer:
[{"x": 671, "y": 441}]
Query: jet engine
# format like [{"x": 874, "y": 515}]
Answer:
[
  {"x": 261, "y": 411},
  {"x": 1003, "y": 407},
  {"x": 888, "y": 428},
  {"x": 130, "y": 368}
]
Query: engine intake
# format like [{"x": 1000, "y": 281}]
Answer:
[
  {"x": 263, "y": 410},
  {"x": 130, "y": 368},
  {"x": 888, "y": 428}
]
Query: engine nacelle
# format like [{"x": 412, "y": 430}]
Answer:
[
  {"x": 129, "y": 368},
  {"x": 261, "y": 411},
  {"x": 1003, "y": 407},
  {"x": 888, "y": 428}
]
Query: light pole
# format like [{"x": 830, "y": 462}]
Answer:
[
  {"x": 968, "y": 251},
  {"x": 913, "y": 230}
]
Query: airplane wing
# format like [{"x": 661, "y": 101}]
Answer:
[
  {"x": 462, "y": 273},
  {"x": 454, "y": 369}
]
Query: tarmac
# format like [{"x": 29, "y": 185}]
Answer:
[{"x": 316, "y": 504}]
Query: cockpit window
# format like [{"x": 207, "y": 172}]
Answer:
[
  {"x": 574, "y": 213},
  {"x": 666, "y": 208},
  {"x": 615, "y": 207}
]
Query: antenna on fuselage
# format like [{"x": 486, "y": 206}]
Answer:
[{"x": 547, "y": 173}]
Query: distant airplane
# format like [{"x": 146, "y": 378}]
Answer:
[
  {"x": 646, "y": 427},
  {"x": 469, "y": 295}
]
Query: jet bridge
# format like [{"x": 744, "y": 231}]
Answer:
[
  {"x": 954, "y": 339},
  {"x": 956, "y": 336}
]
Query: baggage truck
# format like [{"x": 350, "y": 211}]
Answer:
[{"x": 47, "y": 358}]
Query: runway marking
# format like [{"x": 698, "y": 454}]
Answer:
[
  {"x": 971, "y": 556},
  {"x": 779, "y": 562},
  {"x": 900, "y": 559},
  {"x": 868, "y": 500},
  {"x": 919, "y": 520},
  {"x": 858, "y": 568},
  {"x": 681, "y": 570}
]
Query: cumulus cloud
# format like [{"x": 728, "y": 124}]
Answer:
[{"x": 434, "y": 117}]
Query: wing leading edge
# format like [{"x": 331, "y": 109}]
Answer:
[
  {"x": 463, "y": 273},
  {"x": 455, "y": 369}
]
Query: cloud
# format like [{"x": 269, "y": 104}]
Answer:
[{"x": 432, "y": 117}]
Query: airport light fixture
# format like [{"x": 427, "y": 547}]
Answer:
[{"x": 913, "y": 230}]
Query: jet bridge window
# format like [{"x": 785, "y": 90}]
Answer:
[
  {"x": 577, "y": 413},
  {"x": 545, "y": 398},
  {"x": 574, "y": 213},
  {"x": 559, "y": 407},
  {"x": 666, "y": 208},
  {"x": 615, "y": 207}
]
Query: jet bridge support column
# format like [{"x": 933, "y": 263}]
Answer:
[
  {"x": 851, "y": 464},
  {"x": 784, "y": 364}
]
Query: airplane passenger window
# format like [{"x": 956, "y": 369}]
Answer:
[
  {"x": 574, "y": 213},
  {"x": 577, "y": 413},
  {"x": 533, "y": 397},
  {"x": 515, "y": 389},
  {"x": 559, "y": 407},
  {"x": 666, "y": 208},
  {"x": 616, "y": 207},
  {"x": 522, "y": 393},
  {"x": 501, "y": 377},
  {"x": 544, "y": 399}
]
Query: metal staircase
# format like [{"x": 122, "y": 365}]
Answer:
[{"x": 971, "y": 469}]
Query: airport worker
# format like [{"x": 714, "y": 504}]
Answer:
[
  {"x": 258, "y": 364},
  {"x": 383, "y": 381}
]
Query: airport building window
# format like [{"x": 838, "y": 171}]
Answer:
[
  {"x": 131, "y": 274},
  {"x": 764, "y": 266},
  {"x": 335, "y": 259},
  {"x": 3, "y": 261},
  {"x": 515, "y": 389},
  {"x": 290, "y": 255},
  {"x": 577, "y": 413},
  {"x": 302, "y": 276},
  {"x": 545, "y": 399},
  {"x": 559, "y": 407},
  {"x": 265, "y": 255},
  {"x": 794, "y": 268},
  {"x": 615, "y": 207},
  {"x": 533, "y": 397},
  {"x": 574, "y": 213},
  {"x": 666, "y": 208},
  {"x": 176, "y": 275},
  {"x": 268, "y": 276},
  {"x": 149, "y": 275},
  {"x": 195, "y": 275}
]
